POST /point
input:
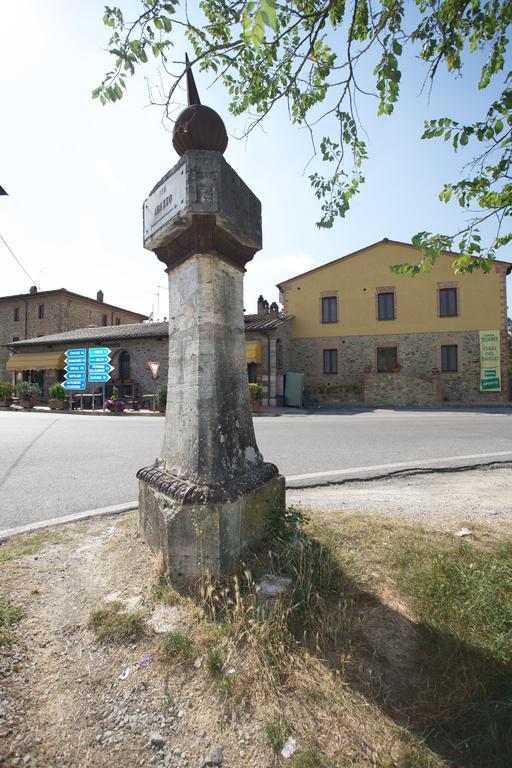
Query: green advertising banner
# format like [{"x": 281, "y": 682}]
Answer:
[{"x": 490, "y": 369}]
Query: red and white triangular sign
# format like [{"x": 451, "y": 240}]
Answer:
[{"x": 153, "y": 367}]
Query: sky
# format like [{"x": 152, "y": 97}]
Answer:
[{"x": 77, "y": 173}]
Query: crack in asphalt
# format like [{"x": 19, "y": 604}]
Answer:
[
  {"x": 410, "y": 471},
  {"x": 24, "y": 452}
]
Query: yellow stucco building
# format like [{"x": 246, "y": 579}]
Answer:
[{"x": 362, "y": 334}]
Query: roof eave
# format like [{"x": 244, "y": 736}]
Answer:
[{"x": 385, "y": 240}]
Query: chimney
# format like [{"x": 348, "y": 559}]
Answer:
[
  {"x": 262, "y": 306},
  {"x": 33, "y": 289},
  {"x": 274, "y": 309},
  {"x": 99, "y": 297}
]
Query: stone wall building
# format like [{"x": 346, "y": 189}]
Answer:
[
  {"x": 267, "y": 342},
  {"x": 136, "y": 344},
  {"x": 41, "y": 313},
  {"x": 362, "y": 334}
]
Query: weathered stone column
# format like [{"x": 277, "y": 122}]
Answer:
[{"x": 206, "y": 498}]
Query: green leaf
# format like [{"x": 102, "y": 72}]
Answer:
[{"x": 268, "y": 9}]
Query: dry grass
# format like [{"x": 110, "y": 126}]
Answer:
[
  {"x": 292, "y": 663},
  {"x": 392, "y": 649},
  {"x": 451, "y": 603}
]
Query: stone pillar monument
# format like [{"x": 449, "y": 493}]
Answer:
[{"x": 205, "y": 500}]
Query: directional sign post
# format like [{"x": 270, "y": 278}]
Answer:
[
  {"x": 75, "y": 376},
  {"x": 99, "y": 368}
]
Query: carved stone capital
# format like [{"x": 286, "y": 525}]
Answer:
[
  {"x": 204, "y": 235},
  {"x": 185, "y": 492}
]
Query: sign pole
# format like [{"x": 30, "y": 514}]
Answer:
[
  {"x": 154, "y": 368},
  {"x": 75, "y": 376}
]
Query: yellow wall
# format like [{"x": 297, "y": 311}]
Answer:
[{"x": 356, "y": 279}]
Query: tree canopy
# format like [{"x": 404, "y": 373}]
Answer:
[{"x": 307, "y": 53}]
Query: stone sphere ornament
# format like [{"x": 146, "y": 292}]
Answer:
[{"x": 198, "y": 126}]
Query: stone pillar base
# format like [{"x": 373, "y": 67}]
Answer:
[{"x": 199, "y": 535}]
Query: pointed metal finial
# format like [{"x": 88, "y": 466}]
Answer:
[
  {"x": 193, "y": 96},
  {"x": 198, "y": 126}
]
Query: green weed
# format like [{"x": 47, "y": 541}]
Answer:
[
  {"x": 112, "y": 626},
  {"x": 164, "y": 592},
  {"x": 9, "y": 616},
  {"x": 28, "y": 545},
  {"x": 176, "y": 646},
  {"x": 277, "y": 731},
  {"x": 310, "y": 758},
  {"x": 215, "y": 661}
]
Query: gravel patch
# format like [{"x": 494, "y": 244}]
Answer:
[{"x": 434, "y": 499}]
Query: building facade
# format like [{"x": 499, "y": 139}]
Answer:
[
  {"x": 134, "y": 345},
  {"x": 362, "y": 334},
  {"x": 41, "y": 313}
]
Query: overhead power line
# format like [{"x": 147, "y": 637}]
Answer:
[{"x": 18, "y": 262}]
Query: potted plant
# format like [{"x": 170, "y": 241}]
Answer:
[
  {"x": 161, "y": 397},
  {"x": 7, "y": 391},
  {"x": 57, "y": 397},
  {"x": 27, "y": 393},
  {"x": 115, "y": 405},
  {"x": 255, "y": 393}
]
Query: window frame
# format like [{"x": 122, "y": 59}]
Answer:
[
  {"x": 442, "y": 298},
  {"x": 329, "y": 297},
  {"x": 381, "y": 294},
  {"x": 332, "y": 353},
  {"x": 40, "y": 312},
  {"x": 386, "y": 348},
  {"x": 16, "y": 314},
  {"x": 452, "y": 347},
  {"x": 104, "y": 321},
  {"x": 279, "y": 355}
]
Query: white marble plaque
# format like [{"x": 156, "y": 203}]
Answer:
[{"x": 165, "y": 202}]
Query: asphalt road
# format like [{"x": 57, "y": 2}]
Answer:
[{"x": 53, "y": 465}]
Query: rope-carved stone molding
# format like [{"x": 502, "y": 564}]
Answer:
[{"x": 186, "y": 492}]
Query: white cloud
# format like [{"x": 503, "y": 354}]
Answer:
[{"x": 263, "y": 274}]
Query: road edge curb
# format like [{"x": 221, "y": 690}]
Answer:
[{"x": 115, "y": 509}]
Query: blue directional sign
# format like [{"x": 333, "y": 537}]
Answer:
[
  {"x": 76, "y": 365},
  {"x": 98, "y": 367},
  {"x": 75, "y": 384}
]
